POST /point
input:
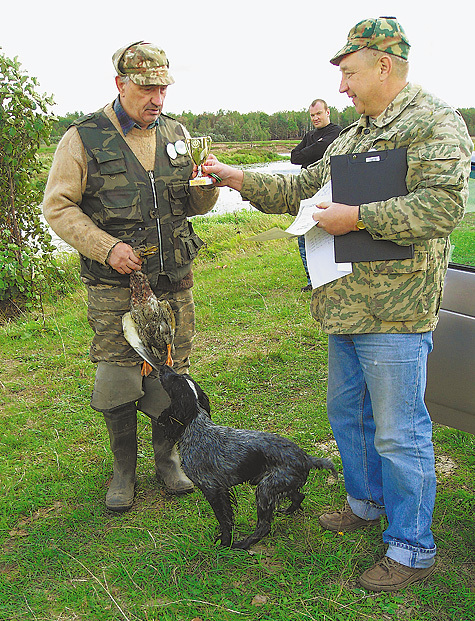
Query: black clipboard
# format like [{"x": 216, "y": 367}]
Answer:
[{"x": 367, "y": 177}]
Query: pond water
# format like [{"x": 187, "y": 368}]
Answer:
[{"x": 228, "y": 201}]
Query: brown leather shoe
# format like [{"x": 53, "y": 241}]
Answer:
[
  {"x": 389, "y": 575},
  {"x": 344, "y": 521}
]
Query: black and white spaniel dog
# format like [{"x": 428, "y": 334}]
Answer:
[{"x": 217, "y": 458}]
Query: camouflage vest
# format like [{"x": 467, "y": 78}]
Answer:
[{"x": 138, "y": 207}]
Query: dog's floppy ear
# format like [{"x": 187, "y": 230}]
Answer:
[{"x": 203, "y": 399}]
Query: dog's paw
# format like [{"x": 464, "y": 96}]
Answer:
[{"x": 290, "y": 510}]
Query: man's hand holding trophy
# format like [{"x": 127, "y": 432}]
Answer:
[{"x": 198, "y": 149}]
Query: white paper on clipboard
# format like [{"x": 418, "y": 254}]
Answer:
[
  {"x": 318, "y": 243},
  {"x": 321, "y": 258},
  {"x": 303, "y": 220}
]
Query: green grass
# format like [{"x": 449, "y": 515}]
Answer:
[
  {"x": 262, "y": 360},
  {"x": 463, "y": 241},
  {"x": 242, "y": 157},
  {"x": 463, "y": 238}
]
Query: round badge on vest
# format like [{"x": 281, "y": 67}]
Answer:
[
  {"x": 180, "y": 147},
  {"x": 172, "y": 153}
]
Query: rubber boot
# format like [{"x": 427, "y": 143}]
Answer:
[
  {"x": 122, "y": 427},
  {"x": 168, "y": 465}
]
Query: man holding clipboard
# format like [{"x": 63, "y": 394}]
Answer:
[{"x": 380, "y": 317}]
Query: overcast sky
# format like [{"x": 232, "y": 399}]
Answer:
[{"x": 249, "y": 55}]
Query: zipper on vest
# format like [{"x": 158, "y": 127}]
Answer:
[{"x": 155, "y": 204}]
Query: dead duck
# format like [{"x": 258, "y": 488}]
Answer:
[{"x": 149, "y": 326}]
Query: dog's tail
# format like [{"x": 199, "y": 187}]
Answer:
[{"x": 324, "y": 464}]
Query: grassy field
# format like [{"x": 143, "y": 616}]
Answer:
[
  {"x": 262, "y": 360},
  {"x": 463, "y": 238}
]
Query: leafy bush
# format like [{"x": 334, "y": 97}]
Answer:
[{"x": 25, "y": 124}]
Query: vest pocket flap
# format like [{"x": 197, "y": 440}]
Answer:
[
  {"x": 180, "y": 161},
  {"x": 186, "y": 243},
  {"x": 178, "y": 191},
  {"x": 178, "y": 195},
  {"x": 110, "y": 163},
  {"x": 193, "y": 244},
  {"x": 121, "y": 203}
]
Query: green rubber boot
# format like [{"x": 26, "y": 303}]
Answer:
[
  {"x": 122, "y": 427},
  {"x": 168, "y": 464}
]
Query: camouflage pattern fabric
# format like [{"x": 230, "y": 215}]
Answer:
[
  {"x": 143, "y": 210},
  {"x": 389, "y": 296},
  {"x": 384, "y": 34},
  {"x": 145, "y": 64},
  {"x": 138, "y": 208},
  {"x": 107, "y": 304}
]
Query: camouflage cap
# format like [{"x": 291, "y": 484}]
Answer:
[
  {"x": 145, "y": 64},
  {"x": 384, "y": 34}
]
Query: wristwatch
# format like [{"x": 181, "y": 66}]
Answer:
[{"x": 359, "y": 223}]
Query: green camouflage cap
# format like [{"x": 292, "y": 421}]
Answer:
[
  {"x": 384, "y": 34},
  {"x": 145, "y": 64}
]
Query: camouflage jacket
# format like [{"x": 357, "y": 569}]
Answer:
[
  {"x": 138, "y": 207},
  {"x": 389, "y": 296}
]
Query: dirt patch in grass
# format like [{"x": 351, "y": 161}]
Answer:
[
  {"x": 11, "y": 309},
  {"x": 444, "y": 466}
]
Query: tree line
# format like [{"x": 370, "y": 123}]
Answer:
[{"x": 233, "y": 126}]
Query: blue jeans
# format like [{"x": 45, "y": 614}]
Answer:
[
  {"x": 303, "y": 256},
  {"x": 375, "y": 402}
]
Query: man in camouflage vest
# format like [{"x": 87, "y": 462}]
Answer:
[
  {"x": 380, "y": 317},
  {"x": 120, "y": 181}
]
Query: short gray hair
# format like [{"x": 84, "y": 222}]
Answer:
[{"x": 400, "y": 65}]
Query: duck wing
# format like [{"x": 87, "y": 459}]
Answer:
[
  {"x": 132, "y": 337},
  {"x": 151, "y": 325}
]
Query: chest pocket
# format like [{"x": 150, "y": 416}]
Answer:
[
  {"x": 387, "y": 140},
  {"x": 180, "y": 161},
  {"x": 110, "y": 163},
  {"x": 120, "y": 210},
  {"x": 178, "y": 194}
]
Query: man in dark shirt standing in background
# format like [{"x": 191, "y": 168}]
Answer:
[{"x": 310, "y": 150}]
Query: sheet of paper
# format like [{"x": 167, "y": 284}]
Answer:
[
  {"x": 318, "y": 244},
  {"x": 303, "y": 220},
  {"x": 321, "y": 258},
  {"x": 274, "y": 233}
]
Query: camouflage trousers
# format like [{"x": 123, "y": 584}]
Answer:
[{"x": 118, "y": 375}]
